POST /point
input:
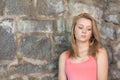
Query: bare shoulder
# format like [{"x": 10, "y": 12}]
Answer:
[
  {"x": 102, "y": 53},
  {"x": 63, "y": 55}
]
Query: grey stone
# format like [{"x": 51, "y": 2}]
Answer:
[
  {"x": 61, "y": 48},
  {"x": 118, "y": 32},
  {"x": 69, "y": 22},
  {"x": 50, "y": 67},
  {"x": 116, "y": 47},
  {"x": 76, "y": 8},
  {"x": 115, "y": 74},
  {"x": 47, "y": 78},
  {"x": 114, "y": 0},
  {"x": 33, "y": 78},
  {"x": 18, "y": 78},
  {"x": 51, "y": 7},
  {"x": 26, "y": 26},
  {"x": 24, "y": 69},
  {"x": 3, "y": 72},
  {"x": 7, "y": 42},
  {"x": 118, "y": 64},
  {"x": 61, "y": 26},
  {"x": 108, "y": 31},
  {"x": 60, "y": 40},
  {"x": 114, "y": 7},
  {"x": 19, "y": 7},
  {"x": 1, "y": 7},
  {"x": 37, "y": 47},
  {"x": 112, "y": 18}
]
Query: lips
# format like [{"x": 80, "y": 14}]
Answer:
[{"x": 83, "y": 36}]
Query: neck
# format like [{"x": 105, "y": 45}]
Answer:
[{"x": 82, "y": 47}]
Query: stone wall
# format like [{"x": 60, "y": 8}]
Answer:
[{"x": 33, "y": 33}]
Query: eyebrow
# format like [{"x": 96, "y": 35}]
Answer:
[{"x": 83, "y": 25}]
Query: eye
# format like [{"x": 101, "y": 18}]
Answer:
[
  {"x": 89, "y": 29},
  {"x": 80, "y": 27}
]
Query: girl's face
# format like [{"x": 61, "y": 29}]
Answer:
[{"x": 83, "y": 30}]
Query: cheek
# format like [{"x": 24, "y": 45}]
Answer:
[{"x": 90, "y": 33}]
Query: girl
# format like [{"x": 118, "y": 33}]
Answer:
[{"x": 87, "y": 60}]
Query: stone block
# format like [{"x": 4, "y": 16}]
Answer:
[
  {"x": 26, "y": 26},
  {"x": 108, "y": 31},
  {"x": 32, "y": 78},
  {"x": 69, "y": 22},
  {"x": 114, "y": 7},
  {"x": 77, "y": 7},
  {"x": 19, "y": 78},
  {"x": 118, "y": 64},
  {"x": 114, "y": 0},
  {"x": 24, "y": 69},
  {"x": 47, "y": 78},
  {"x": 51, "y": 7},
  {"x": 19, "y": 7},
  {"x": 60, "y": 40},
  {"x": 7, "y": 42},
  {"x": 3, "y": 72},
  {"x": 116, "y": 47},
  {"x": 36, "y": 47},
  {"x": 1, "y": 7},
  {"x": 112, "y": 18},
  {"x": 115, "y": 73},
  {"x": 61, "y": 25},
  {"x": 118, "y": 33},
  {"x": 61, "y": 48}
]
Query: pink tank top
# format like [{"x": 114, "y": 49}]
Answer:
[{"x": 86, "y": 70}]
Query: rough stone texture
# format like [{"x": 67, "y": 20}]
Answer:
[
  {"x": 113, "y": 0},
  {"x": 18, "y": 79},
  {"x": 118, "y": 33},
  {"x": 33, "y": 33},
  {"x": 19, "y": 7},
  {"x": 3, "y": 71},
  {"x": 7, "y": 42},
  {"x": 116, "y": 47},
  {"x": 51, "y": 7},
  {"x": 114, "y": 7},
  {"x": 31, "y": 78},
  {"x": 77, "y": 8},
  {"x": 25, "y": 68},
  {"x": 69, "y": 24},
  {"x": 115, "y": 74},
  {"x": 109, "y": 31},
  {"x": 37, "y": 47},
  {"x": 112, "y": 18},
  {"x": 60, "y": 26},
  {"x": 1, "y": 7},
  {"x": 60, "y": 40},
  {"x": 25, "y": 26},
  {"x": 47, "y": 78}
]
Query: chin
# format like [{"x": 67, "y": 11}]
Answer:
[{"x": 83, "y": 40}]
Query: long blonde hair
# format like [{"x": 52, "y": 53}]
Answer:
[{"x": 95, "y": 41}]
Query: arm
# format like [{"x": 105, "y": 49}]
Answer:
[
  {"x": 102, "y": 61},
  {"x": 61, "y": 73}
]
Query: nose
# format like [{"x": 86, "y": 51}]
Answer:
[{"x": 84, "y": 31}]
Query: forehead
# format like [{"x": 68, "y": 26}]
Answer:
[{"x": 84, "y": 21}]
